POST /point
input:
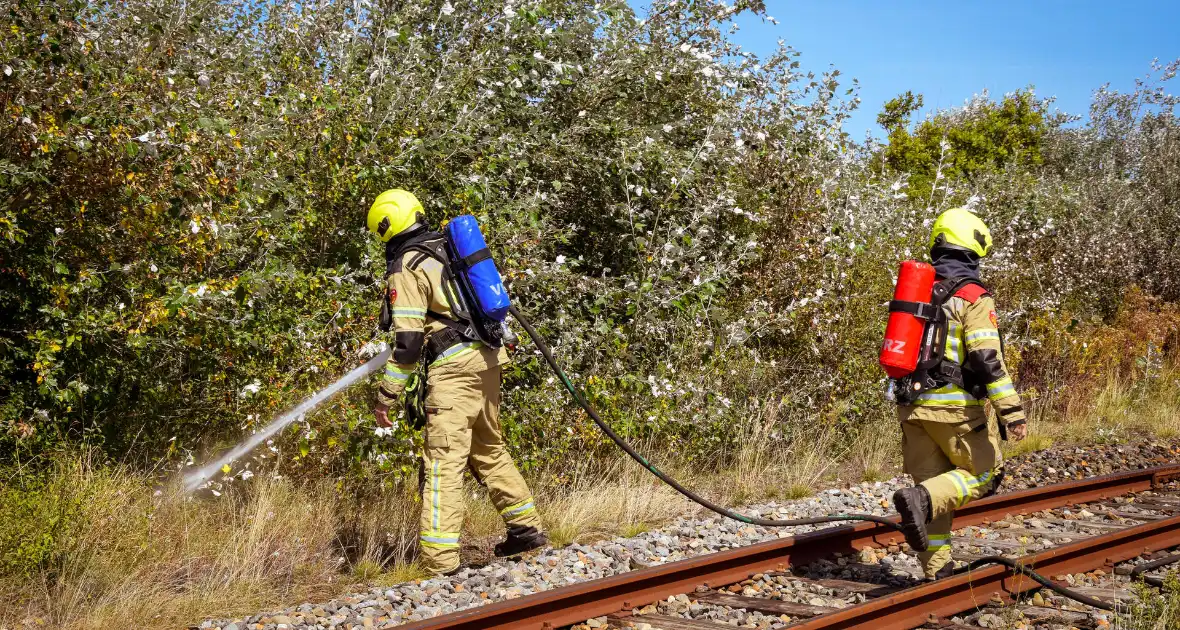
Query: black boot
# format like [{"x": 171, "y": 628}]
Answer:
[
  {"x": 913, "y": 504},
  {"x": 521, "y": 539},
  {"x": 947, "y": 570}
]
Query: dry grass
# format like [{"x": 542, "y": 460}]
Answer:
[
  {"x": 770, "y": 465},
  {"x": 875, "y": 453},
  {"x": 127, "y": 554},
  {"x": 1117, "y": 411},
  {"x": 1035, "y": 441},
  {"x": 130, "y": 555}
]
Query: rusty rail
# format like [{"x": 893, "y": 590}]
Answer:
[
  {"x": 912, "y": 607},
  {"x": 552, "y": 609}
]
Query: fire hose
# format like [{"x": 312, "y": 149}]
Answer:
[{"x": 1014, "y": 565}]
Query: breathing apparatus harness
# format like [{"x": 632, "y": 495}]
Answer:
[
  {"x": 467, "y": 325},
  {"x": 929, "y": 368},
  {"x": 933, "y": 369}
]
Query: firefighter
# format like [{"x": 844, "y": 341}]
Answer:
[
  {"x": 462, "y": 402},
  {"x": 949, "y": 448}
]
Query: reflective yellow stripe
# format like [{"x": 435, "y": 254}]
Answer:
[
  {"x": 439, "y": 540},
  {"x": 965, "y": 483},
  {"x": 435, "y": 498},
  {"x": 975, "y": 482},
  {"x": 954, "y": 343},
  {"x": 408, "y": 312},
  {"x": 960, "y": 480},
  {"x": 398, "y": 373},
  {"x": 939, "y": 540},
  {"x": 1000, "y": 389},
  {"x": 456, "y": 351},
  {"x": 948, "y": 396},
  {"x": 982, "y": 335},
  {"x": 519, "y": 509}
]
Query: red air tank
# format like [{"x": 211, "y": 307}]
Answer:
[{"x": 903, "y": 335}]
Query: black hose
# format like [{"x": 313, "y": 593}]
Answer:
[
  {"x": 1150, "y": 566},
  {"x": 696, "y": 498},
  {"x": 1019, "y": 567},
  {"x": 543, "y": 346}
]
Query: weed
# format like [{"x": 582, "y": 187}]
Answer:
[
  {"x": 1153, "y": 609},
  {"x": 1032, "y": 443},
  {"x": 798, "y": 491},
  {"x": 632, "y": 530}
]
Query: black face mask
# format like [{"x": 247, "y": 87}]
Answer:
[{"x": 954, "y": 263}]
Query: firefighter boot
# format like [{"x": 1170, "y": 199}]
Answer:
[
  {"x": 913, "y": 504},
  {"x": 521, "y": 538},
  {"x": 947, "y": 570}
]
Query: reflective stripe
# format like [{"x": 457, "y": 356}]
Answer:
[
  {"x": 942, "y": 394},
  {"x": 982, "y": 335},
  {"x": 947, "y": 396},
  {"x": 954, "y": 352},
  {"x": 440, "y": 540},
  {"x": 961, "y": 486},
  {"x": 954, "y": 342},
  {"x": 1000, "y": 389},
  {"x": 948, "y": 403},
  {"x": 438, "y": 545},
  {"x": 456, "y": 351},
  {"x": 938, "y": 541},
  {"x": 435, "y": 499},
  {"x": 408, "y": 312},
  {"x": 975, "y": 482},
  {"x": 519, "y": 509},
  {"x": 966, "y": 483},
  {"x": 398, "y": 373}
]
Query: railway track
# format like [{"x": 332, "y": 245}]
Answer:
[{"x": 1074, "y": 533}]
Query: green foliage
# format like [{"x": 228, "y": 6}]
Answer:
[
  {"x": 31, "y": 523},
  {"x": 985, "y": 136},
  {"x": 896, "y": 113},
  {"x": 184, "y": 186},
  {"x": 1154, "y": 609},
  {"x": 185, "y": 190}
]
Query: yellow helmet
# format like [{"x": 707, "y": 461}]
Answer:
[
  {"x": 959, "y": 228},
  {"x": 393, "y": 212}
]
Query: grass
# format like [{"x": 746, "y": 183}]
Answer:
[
  {"x": 120, "y": 550},
  {"x": 1035, "y": 441},
  {"x": 125, "y": 554},
  {"x": 875, "y": 453},
  {"x": 98, "y": 546},
  {"x": 1153, "y": 609},
  {"x": 1115, "y": 412}
]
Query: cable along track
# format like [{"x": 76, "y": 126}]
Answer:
[{"x": 1057, "y": 543}]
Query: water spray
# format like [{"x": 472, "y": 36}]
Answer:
[{"x": 195, "y": 479}]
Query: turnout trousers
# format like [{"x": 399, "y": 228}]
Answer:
[
  {"x": 463, "y": 431},
  {"x": 956, "y": 455}
]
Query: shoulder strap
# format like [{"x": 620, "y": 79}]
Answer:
[
  {"x": 972, "y": 292},
  {"x": 433, "y": 245},
  {"x": 951, "y": 287},
  {"x": 428, "y": 243}
]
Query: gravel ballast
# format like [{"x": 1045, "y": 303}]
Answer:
[{"x": 701, "y": 534}]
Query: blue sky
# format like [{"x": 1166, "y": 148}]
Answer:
[{"x": 948, "y": 51}]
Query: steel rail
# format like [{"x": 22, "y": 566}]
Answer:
[
  {"x": 947, "y": 597},
  {"x": 548, "y": 610}
]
